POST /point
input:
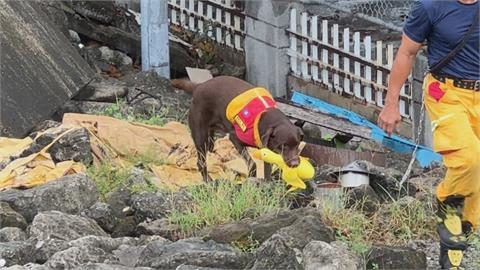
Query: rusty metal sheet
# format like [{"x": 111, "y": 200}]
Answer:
[{"x": 340, "y": 157}]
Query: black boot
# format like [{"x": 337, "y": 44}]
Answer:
[{"x": 452, "y": 238}]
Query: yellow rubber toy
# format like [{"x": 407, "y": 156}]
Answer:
[{"x": 295, "y": 177}]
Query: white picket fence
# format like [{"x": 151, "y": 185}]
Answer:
[
  {"x": 343, "y": 62},
  {"x": 220, "y": 20}
]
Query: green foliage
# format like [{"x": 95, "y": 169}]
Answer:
[{"x": 226, "y": 201}]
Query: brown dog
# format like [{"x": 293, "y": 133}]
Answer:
[{"x": 208, "y": 114}]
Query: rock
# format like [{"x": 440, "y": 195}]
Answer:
[
  {"x": 327, "y": 173},
  {"x": 10, "y": 234},
  {"x": 102, "y": 213},
  {"x": 192, "y": 252},
  {"x": 82, "y": 193},
  {"x": 128, "y": 255},
  {"x": 230, "y": 232},
  {"x": 383, "y": 257},
  {"x": 276, "y": 253},
  {"x": 149, "y": 205},
  {"x": 58, "y": 225},
  {"x": 363, "y": 198},
  {"x": 87, "y": 107},
  {"x": 76, "y": 256},
  {"x": 75, "y": 146},
  {"x": 102, "y": 90},
  {"x": 108, "y": 13},
  {"x": 107, "y": 244},
  {"x": 385, "y": 181},
  {"x": 320, "y": 255},
  {"x": 28, "y": 266},
  {"x": 400, "y": 161},
  {"x": 265, "y": 226},
  {"x": 432, "y": 250},
  {"x": 161, "y": 227},
  {"x": 10, "y": 218},
  {"x": 74, "y": 37},
  {"x": 119, "y": 200},
  {"x": 16, "y": 252},
  {"x": 125, "y": 227},
  {"x": 121, "y": 197},
  {"x": 261, "y": 228},
  {"x": 104, "y": 58},
  {"x": 193, "y": 267},
  {"x": 304, "y": 230},
  {"x": 148, "y": 91},
  {"x": 44, "y": 249},
  {"x": 104, "y": 266},
  {"x": 226, "y": 69},
  {"x": 147, "y": 239},
  {"x": 43, "y": 126},
  {"x": 426, "y": 187}
]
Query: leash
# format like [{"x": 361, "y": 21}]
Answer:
[{"x": 417, "y": 140}]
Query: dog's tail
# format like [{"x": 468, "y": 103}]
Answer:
[{"x": 184, "y": 84}]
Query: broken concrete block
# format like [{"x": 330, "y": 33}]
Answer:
[{"x": 40, "y": 68}]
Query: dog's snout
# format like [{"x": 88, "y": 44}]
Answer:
[{"x": 294, "y": 162}]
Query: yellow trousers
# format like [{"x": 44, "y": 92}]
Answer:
[{"x": 455, "y": 116}]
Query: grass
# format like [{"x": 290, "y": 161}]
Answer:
[
  {"x": 226, "y": 201},
  {"x": 121, "y": 110},
  {"x": 394, "y": 224},
  {"x": 107, "y": 176}
]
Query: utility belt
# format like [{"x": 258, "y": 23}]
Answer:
[{"x": 460, "y": 83}]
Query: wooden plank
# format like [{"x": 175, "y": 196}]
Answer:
[
  {"x": 342, "y": 53},
  {"x": 200, "y": 20},
  {"x": 228, "y": 34},
  {"x": 368, "y": 70},
  {"x": 182, "y": 13},
  {"x": 304, "y": 27},
  {"x": 346, "y": 60},
  {"x": 325, "y": 52},
  {"x": 336, "y": 58},
  {"x": 173, "y": 15},
  {"x": 324, "y": 120},
  {"x": 210, "y": 18},
  {"x": 236, "y": 20},
  {"x": 191, "y": 21},
  {"x": 314, "y": 35},
  {"x": 293, "y": 41},
  {"x": 219, "y": 36},
  {"x": 356, "y": 51},
  {"x": 379, "y": 94}
]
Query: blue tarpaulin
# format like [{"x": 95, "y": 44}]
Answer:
[{"x": 425, "y": 156}]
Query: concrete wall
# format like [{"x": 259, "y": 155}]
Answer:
[
  {"x": 266, "y": 44},
  {"x": 421, "y": 65},
  {"x": 40, "y": 69}
]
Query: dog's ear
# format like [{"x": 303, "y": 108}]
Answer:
[{"x": 265, "y": 138}]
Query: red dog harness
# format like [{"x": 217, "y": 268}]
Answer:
[{"x": 244, "y": 113}]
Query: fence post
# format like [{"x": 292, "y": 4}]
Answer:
[
  {"x": 155, "y": 50},
  {"x": 266, "y": 44},
  {"x": 418, "y": 71}
]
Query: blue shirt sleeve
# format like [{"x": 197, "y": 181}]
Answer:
[{"x": 418, "y": 25}]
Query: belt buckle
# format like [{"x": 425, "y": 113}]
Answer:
[{"x": 477, "y": 85}]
